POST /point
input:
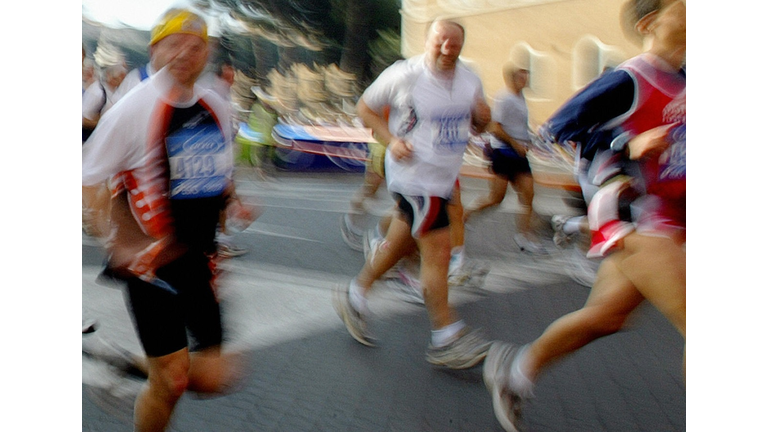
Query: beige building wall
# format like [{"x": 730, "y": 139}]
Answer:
[{"x": 564, "y": 43}]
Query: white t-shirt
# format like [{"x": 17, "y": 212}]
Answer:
[
  {"x": 96, "y": 100},
  {"x": 123, "y": 139},
  {"x": 511, "y": 112},
  {"x": 434, "y": 115}
]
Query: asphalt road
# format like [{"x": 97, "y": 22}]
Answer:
[{"x": 309, "y": 375}]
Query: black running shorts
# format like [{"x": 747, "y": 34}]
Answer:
[
  {"x": 163, "y": 318},
  {"x": 423, "y": 213}
]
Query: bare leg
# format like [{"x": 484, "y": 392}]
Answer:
[
  {"x": 213, "y": 372},
  {"x": 399, "y": 244},
  {"x": 455, "y": 211},
  {"x": 523, "y": 185},
  {"x": 435, "y": 247},
  {"x": 612, "y": 299},
  {"x": 656, "y": 265},
  {"x": 497, "y": 190},
  {"x": 168, "y": 379}
]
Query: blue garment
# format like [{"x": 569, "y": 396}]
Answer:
[{"x": 585, "y": 118}]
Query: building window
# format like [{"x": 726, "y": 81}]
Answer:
[{"x": 591, "y": 58}]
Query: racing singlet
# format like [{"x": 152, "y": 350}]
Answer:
[
  {"x": 660, "y": 100},
  {"x": 198, "y": 165}
]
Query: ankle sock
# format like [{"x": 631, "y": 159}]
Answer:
[
  {"x": 443, "y": 336},
  {"x": 357, "y": 298},
  {"x": 457, "y": 259},
  {"x": 518, "y": 377},
  {"x": 573, "y": 225}
]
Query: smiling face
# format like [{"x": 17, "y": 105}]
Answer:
[
  {"x": 443, "y": 46},
  {"x": 185, "y": 55}
]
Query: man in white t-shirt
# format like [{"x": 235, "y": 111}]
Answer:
[
  {"x": 100, "y": 95},
  {"x": 433, "y": 100},
  {"x": 169, "y": 143}
]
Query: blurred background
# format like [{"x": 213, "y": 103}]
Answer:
[{"x": 316, "y": 56}]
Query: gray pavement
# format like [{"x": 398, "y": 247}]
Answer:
[{"x": 308, "y": 374}]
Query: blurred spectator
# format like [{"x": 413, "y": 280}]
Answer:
[{"x": 100, "y": 95}]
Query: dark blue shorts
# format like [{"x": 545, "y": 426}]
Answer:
[{"x": 507, "y": 163}]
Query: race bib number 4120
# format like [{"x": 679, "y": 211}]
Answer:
[{"x": 199, "y": 162}]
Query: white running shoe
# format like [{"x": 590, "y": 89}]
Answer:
[
  {"x": 467, "y": 350},
  {"x": 561, "y": 238},
  {"x": 353, "y": 320},
  {"x": 497, "y": 368}
]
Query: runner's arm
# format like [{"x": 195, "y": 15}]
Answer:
[{"x": 397, "y": 146}]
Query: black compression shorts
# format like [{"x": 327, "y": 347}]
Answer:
[{"x": 162, "y": 318}]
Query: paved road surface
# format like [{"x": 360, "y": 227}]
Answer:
[{"x": 309, "y": 375}]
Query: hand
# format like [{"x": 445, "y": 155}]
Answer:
[
  {"x": 481, "y": 116},
  {"x": 650, "y": 143},
  {"x": 400, "y": 149}
]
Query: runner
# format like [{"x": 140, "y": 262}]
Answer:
[
  {"x": 510, "y": 141},
  {"x": 434, "y": 100},
  {"x": 169, "y": 143},
  {"x": 631, "y": 124}
]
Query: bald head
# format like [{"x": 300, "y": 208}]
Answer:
[{"x": 445, "y": 39}]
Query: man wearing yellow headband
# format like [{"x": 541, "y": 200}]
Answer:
[
  {"x": 173, "y": 21},
  {"x": 166, "y": 146}
]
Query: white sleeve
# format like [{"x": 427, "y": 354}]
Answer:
[
  {"x": 110, "y": 149},
  {"x": 93, "y": 100},
  {"x": 382, "y": 91}
]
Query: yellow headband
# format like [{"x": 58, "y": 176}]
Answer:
[{"x": 179, "y": 21}]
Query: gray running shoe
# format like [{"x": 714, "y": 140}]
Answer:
[
  {"x": 353, "y": 320},
  {"x": 560, "y": 238},
  {"x": 471, "y": 273},
  {"x": 496, "y": 371},
  {"x": 352, "y": 236},
  {"x": 464, "y": 352}
]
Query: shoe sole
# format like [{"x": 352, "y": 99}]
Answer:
[
  {"x": 341, "y": 305},
  {"x": 456, "y": 366}
]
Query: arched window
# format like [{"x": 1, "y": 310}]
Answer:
[{"x": 591, "y": 57}]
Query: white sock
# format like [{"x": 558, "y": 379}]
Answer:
[
  {"x": 573, "y": 225},
  {"x": 357, "y": 298},
  {"x": 518, "y": 377},
  {"x": 443, "y": 336},
  {"x": 457, "y": 258}
]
